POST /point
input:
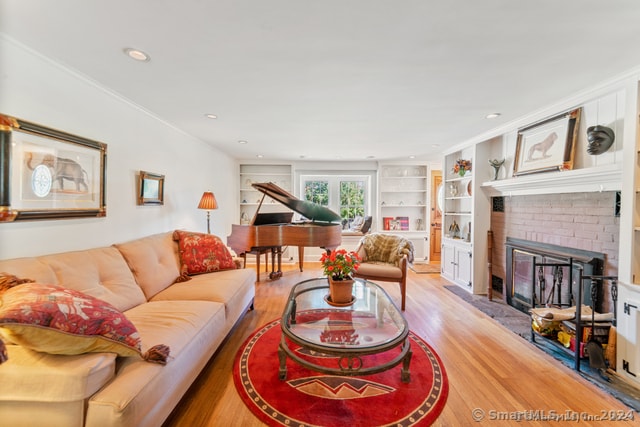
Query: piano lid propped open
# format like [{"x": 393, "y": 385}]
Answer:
[{"x": 308, "y": 210}]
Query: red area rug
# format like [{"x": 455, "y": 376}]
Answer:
[{"x": 308, "y": 398}]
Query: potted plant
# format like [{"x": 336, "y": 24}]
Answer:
[{"x": 338, "y": 266}]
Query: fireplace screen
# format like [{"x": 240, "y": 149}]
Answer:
[
  {"x": 546, "y": 276},
  {"x": 548, "y": 283}
]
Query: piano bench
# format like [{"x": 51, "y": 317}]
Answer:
[{"x": 257, "y": 252}]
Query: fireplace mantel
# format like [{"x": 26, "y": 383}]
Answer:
[{"x": 594, "y": 179}]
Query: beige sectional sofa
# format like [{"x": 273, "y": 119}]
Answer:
[{"x": 101, "y": 389}]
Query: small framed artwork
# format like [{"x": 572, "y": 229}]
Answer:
[
  {"x": 548, "y": 145},
  {"x": 49, "y": 174},
  {"x": 151, "y": 189},
  {"x": 394, "y": 224}
]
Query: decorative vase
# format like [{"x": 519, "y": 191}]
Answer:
[
  {"x": 341, "y": 291},
  {"x": 496, "y": 164},
  {"x": 453, "y": 189}
]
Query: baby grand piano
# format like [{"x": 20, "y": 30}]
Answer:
[{"x": 272, "y": 231}]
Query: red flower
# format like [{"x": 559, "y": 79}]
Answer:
[{"x": 339, "y": 263}]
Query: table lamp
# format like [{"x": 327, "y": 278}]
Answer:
[{"x": 208, "y": 202}]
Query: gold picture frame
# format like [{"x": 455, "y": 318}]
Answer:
[
  {"x": 49, "y": 174},
  {"x": 150, "y": 189},
  {"x": 548, "y": 145}
]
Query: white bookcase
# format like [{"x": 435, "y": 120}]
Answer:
[
  {"x": 403, "y": 203},
  {"x": 466, "y": 219}
]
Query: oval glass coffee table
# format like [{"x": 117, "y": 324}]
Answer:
[{"x": 350, "y": 334}]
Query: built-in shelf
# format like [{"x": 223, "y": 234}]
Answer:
[
  {"x": 467, "y": 176},
  {"x": 403, "y": 203}
]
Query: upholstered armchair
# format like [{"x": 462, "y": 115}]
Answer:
[{"x": 385, "y": 258}]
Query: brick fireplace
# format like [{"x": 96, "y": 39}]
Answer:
[{"x": 582, "y": 221}]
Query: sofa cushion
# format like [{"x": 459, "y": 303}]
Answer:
[
  {"x": 100, "y": 272},
  {"x": 29, "y": 268},
  {"x": 233, "y": 288},
  {"x": 52, "y": 319},
  {"x": 153, "y": 260},
  {"x": 40, "y": 377},
  {"x": 202, "y": 253},
  {"x": 221, "y": 287},
  {"x": 143, "y": 394}
]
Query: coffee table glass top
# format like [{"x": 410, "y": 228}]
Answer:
[{"x": 372, "y": 322}]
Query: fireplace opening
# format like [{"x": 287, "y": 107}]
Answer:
[{"x": 542, "y": 274}]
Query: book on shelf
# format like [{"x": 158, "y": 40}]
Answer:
[
  {"x": 404, "y": 222},
  {"x": 386, "y": 222},
  {"x": 399, "y": 223}
]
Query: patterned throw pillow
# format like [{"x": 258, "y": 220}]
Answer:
[
  {"x": 202, "y": 253},
  {"x": 56, "y": 320}
]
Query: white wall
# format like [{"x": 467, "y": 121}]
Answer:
[{"x": 36, "y": 89}]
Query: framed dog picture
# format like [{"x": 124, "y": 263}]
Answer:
[
  {"x": 548, "y": 145},
  {"x": 49, "y": 174}
]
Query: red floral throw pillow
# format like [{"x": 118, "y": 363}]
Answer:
[
  {"x": 202, "y": 253},
  {"x": 56, "y": 320}
]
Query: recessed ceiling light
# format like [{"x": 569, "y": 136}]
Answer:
[
  {"x": 136, "y": 54},
  {"x": 242, "y": 141},
  {"x": 259, "y": 156},
  {"x": 492, "y": 115},
  {"x": 412, "y": 157},
  {"x": 371, "y": 157},
  {"x": 211, "y": 116}
]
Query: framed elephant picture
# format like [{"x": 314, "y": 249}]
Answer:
[{"x": 49, "y": 174}]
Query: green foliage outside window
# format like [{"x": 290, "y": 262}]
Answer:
[
  {"x": 352, "y": 195},
  {"x": 317, "y": 192}
]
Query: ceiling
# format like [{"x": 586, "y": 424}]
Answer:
[{"x": 335, "y": 79}]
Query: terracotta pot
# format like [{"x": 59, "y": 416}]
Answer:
[{"x": 340, "y": 290}]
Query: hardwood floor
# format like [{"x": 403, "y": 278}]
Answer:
[{"x": 490, "y": 369}]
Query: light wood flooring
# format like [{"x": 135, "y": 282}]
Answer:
[{"x": 491, "y": 370}]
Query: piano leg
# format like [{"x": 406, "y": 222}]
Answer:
[
  {"x": 301, "y": 257},
  {"x": 276, "y": 251}
]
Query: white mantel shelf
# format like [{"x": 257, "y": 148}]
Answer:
[{"x": 595, "y": 179}]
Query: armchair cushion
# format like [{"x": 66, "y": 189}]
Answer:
[
  {"x": 380, "y": 271},
  {"x": 386, "y": 248}
]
